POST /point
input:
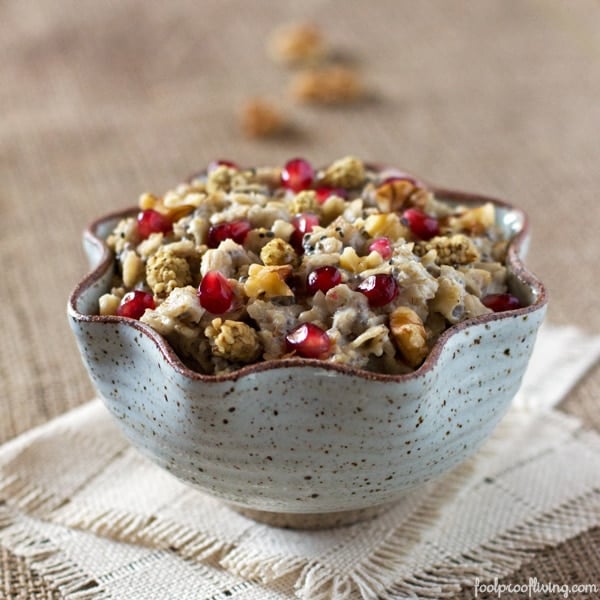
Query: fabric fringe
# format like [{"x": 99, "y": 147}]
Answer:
[
  {"x": 504, "y": 554},
  {"x": 31, "y": 499},
  {"x": 42, "y": 556},
  {"x": 148, "y": 531},
  {"x": 372, "y": 579}
]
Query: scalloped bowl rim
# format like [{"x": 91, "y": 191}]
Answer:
[{"x": 514, "y": 262}]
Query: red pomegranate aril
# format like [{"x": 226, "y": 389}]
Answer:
[
  {"x": 235, "y": 230},
  {"x": 297, "y": 175},
  {"x": 501, "y": 302},
  {"x": 151, "y": 221},
  {"x": 213, "y": 164},
  {"x": 323, "y": 193},
  {"x": 134, "y": 304},
  {"x": 323, "y": 279},
  {"x": 379, "y": 289},
  {"x": 215, "y": 293},
  {"x": 421, "y": 224},
  {"x": 303, "y": 223},
  {"x": 383, "y": 246},
  {"x": 309, "y": 341}
]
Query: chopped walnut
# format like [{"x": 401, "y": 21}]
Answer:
[
  {"x": 328, "y": 85},
  {"x": 277, "y": 252},
  {"x": 474, "y": 220},
  {"x": 297, "y": 43},
  {"x": 409, "y": 334},
  {"x": 393, "y": 195},
  {"x": 350, "y": 260},
  {"x": 233, "y": 340},
  {"x": 260, "y": 118},
  {"x": 387, "y": 225},
  {"x": 267, "y": 281},
  {"x": 347, "y": 172},
  {"x": 455, "y": 250},
  {"x": 165, "y": 271}
]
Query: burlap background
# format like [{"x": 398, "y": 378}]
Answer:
[{"x": 103, "y": 100}]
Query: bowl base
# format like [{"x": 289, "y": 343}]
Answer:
[{"x": 312, "y": 521}]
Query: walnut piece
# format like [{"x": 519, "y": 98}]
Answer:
[
  {"x": 328, "y": 85},
  {"x": 260, "y": 118},
  {"x": 296, "y": 43},
  {"x": 267, "y": 281},
  {"x": 393, "y": 195},
  {"x": 234, "y": 340},
  {"x": 409, "y": 333}
]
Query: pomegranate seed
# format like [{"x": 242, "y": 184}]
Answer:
[
  {"x": 379, "y": 289},
  {"x": 383, "y": 246},
  {"x": 501, "y": 302},
  {"x": 151, "y": 221},
  {"x": 309, "y": 341},
  {"x": 235, "y": 230},
  {"x": 213, "y": 164},
  {"x": 325, "y": 192},
  {"x": 323, "y": 278},
  {"x": 421, "y": 224},
  {"x": 297, "y": 175},
  {"x": 215, "y": 293},
  {"x": 303, "y": 223},
  {"x": 134, "y": 304}
]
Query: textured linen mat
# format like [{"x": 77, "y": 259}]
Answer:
[{"x": 97, "y": 520}]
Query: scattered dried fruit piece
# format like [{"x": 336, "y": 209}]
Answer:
[
  {"x": 296, "y": 43},
  {"x": 277, "y": 252},
  {"x": 327, "y": 85},
  {"x": 234, "y": 340},
  {"x": 260, "y": 119},
  {"x": 347, "y": 172},
  {"x": 165, "y": 271},
  {"x": 455, "y": 250}
]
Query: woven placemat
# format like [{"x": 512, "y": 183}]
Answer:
[{"x": 532, "y": 486}]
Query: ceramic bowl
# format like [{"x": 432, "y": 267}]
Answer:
[{"x": 301, "y": 442}]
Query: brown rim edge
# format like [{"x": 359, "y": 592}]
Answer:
[{"x": 513, "y": 261}]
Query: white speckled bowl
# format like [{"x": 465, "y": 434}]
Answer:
[{"x": 300, "y": 442}]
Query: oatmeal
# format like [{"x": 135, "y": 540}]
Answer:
[{"x": 346, "y": 264}]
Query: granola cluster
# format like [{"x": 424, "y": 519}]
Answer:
[{"x": 346, "y": 264}]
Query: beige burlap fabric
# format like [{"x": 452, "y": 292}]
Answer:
[{"x": 101, "y": 101}]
